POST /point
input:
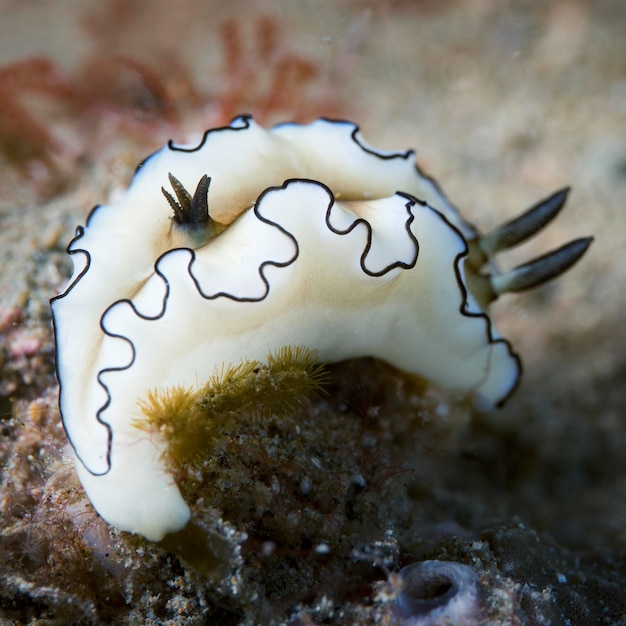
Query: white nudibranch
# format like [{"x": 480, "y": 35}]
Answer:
[{"x": 301, "y": 235}]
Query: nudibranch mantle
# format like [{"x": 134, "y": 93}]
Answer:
[{"x": 318, "y": 241}]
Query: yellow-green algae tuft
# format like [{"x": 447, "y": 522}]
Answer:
[{"x": 190, "y": 419}]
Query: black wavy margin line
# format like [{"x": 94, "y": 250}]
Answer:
[
  {"x": 80, "y": 231},
  {"x": 411, "y": 202},
  {"x": 488, "y": 323},
  {"x": 407, "y": 154},
  {"x": 258, "y": 203},
  {"x": 245, "y": 118}
]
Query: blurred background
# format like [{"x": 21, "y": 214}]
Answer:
[{"x": 505, "y": 102}]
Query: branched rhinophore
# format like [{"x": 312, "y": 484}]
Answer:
[{"x": 190, "y": 419}]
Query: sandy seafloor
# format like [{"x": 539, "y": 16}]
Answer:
[{"x": 505, "y": 103}]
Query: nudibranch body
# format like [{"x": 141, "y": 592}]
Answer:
[{"x": 299, "y": 235}]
